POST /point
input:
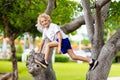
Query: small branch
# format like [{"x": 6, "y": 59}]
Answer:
[
  {"x": 6, "y": 76},
  {"x": 100, "y": 3},
  {"x": 51, "y": 5}
]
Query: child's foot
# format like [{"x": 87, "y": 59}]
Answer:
[
  {"x": 42, "y": 63},
  {"x": 93, "y": 64}
]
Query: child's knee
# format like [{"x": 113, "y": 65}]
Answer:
[
  {"x": 48, "y": 45},
  {"x": 73, "y": 57}
]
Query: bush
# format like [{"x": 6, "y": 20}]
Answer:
[
  {"x": 116, "y": 59},
  {"x": 19, "y": 48},
  {"x": 18, "y": 55},
  {"x": 19, "y": 51},
  {"x": 61, "y": 58}
]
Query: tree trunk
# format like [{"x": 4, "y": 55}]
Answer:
[
  {"x": 104, "y": 53},
  {"x": 108, "y": 51},
  {"x": 12, "y": 37},
  {"x": 14, "y": 60},
  {"x": 38, "y": 72}
]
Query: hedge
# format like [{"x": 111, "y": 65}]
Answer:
[{"x": 61, "y": 58}]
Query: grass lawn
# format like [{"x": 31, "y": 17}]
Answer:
[
  {"x": 70, "y": 71},
  {"x": 64, "y": 71}
]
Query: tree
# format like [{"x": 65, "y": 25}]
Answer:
[
  {"x": 102, "y": 51},
  {"x": 13, "y": 18}
]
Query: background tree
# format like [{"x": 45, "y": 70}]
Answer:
[
  {"x": 16, "y": 18},
  {"x": 113, "y": 21}
]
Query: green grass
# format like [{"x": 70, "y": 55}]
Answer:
[
  {"x": 115, "y": 70},
  {"x": 6, "y": 66},
  {"x": 64, "y": 71},
  {"x": 70, "y": 71}
]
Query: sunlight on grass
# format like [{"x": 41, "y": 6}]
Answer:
[
  {"x": 63, "y": 71},
  {"x": 23, "y": 73},
  {"x": 6, "y": 66},
  {"x": 115, "y": 70},
  {"x": 70, "y": 71}
]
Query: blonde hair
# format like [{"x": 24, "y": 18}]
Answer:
[{"x": 43, "y": 15}]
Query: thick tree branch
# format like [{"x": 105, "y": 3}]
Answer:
[
  {"x": 100, "y": 16},
  {"x": 108, "y": 51},
  {"x": 98, "y": 48},
  {"x": 104, "y": 11},
  {"x": 73, "y": 25},
  {"x": 101, "y": 3},
  {"x": 88, "y": 18},
  {"x": 68, "y": 28},
  {"x": 50, "y": 7}
]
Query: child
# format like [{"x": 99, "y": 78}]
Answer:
[{"x": 58, "y": 39}]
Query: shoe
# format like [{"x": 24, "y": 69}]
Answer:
[
  {"x": 42, "y": 63},
  {"x": 93, "y": 64}
]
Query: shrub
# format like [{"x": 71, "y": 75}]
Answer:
[
  {"x": 19, "y": 56},
  {"x": 19, "y": 51},
  {"x": 116, "y": 59},
  {"x": 61, "y": 58},
  {"x": 19, "y": 48}
]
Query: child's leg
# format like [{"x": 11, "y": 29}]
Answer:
[
  {"x": 76, "y": 57},
  {"x": 92, "y": 62},
  {"x": 48, "y": 46}
]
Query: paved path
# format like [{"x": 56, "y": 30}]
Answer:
[{"x": 114, "y": 78}]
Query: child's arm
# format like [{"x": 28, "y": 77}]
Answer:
[
  {"x": 41, "y": 46},
  {"x": 59, "y": 41}
]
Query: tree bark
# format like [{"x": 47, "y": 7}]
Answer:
[
  {"x": 6, "y": 76},
  {"x": 104, "y": 53},
  {"x": 51, "y": 5},
  {"x": 101, "y": 10},
  {"x": 12, "y": 37},
  {"x": 88, "y": 18},
  {"x": 38, "y": 72},
  {"x": 14, "y": 60},
  {"x": 73, "y": 25},
  {"x": 107, "y": 53}
]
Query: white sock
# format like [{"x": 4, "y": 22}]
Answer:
[
  {"x": 91, "y": 61},
  {"x": 46, "y": 62}
]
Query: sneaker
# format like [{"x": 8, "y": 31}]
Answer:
[
  {"x": 42, "y": 63},
  {"x": 93, "y": 64}
]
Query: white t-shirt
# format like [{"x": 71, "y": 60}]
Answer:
[{"x": 51, "y": 32}]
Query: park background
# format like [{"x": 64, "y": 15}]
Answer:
[{"x": 63, "y": 64}]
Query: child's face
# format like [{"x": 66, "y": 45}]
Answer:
[{"x": 44, "y": 22}]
